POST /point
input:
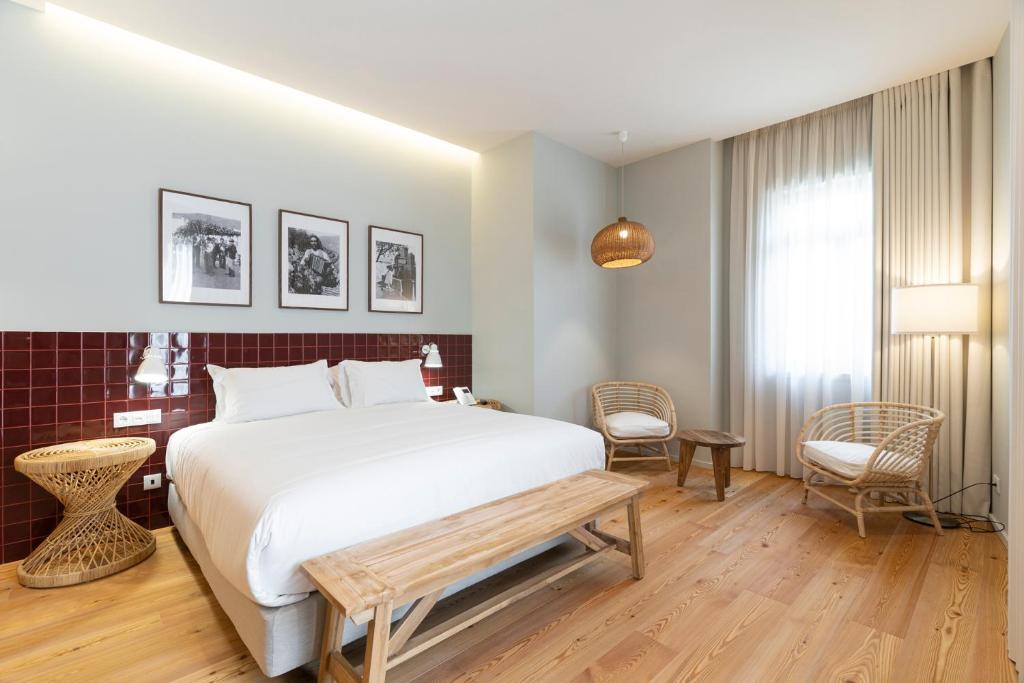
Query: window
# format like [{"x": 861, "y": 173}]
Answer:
[{"x": 815, "y": 312}]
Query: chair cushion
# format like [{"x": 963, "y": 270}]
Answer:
[
  {"x": 631, "y": 425},
  {"x": 842, "y": 457}
]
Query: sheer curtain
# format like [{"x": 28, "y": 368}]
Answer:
[
  {"x": 932, "y": 141},
  {"x": 801, "y": 277}
]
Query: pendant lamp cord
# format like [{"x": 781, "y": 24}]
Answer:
[{"x": 622, "y": 173}]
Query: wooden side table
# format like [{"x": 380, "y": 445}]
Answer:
[
  {"x": 94, "y": 539},
  {"x": 720, "y": 444}
]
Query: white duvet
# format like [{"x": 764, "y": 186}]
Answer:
[{"x": 269, "y": 495}]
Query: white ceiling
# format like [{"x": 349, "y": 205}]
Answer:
[{"x": 478, "y": 72}]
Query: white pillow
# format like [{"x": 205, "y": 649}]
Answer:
[
  {"x": 246, "y": 394},
  {"x": 372, "y": 384},
  {"x": 339, "y": 381}
]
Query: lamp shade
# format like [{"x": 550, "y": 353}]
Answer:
[
  {"x": 935, "y": 309},
  {"x": 152, "y": 369},
  {"x": 622, "y": 244},
  {"x": 433, "y": 356}
]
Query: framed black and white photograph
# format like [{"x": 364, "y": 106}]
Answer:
[
  {"x": 205, "y": 250},
  {"x": 313, "y": 253},
  {"x": 396, "y": 271}
]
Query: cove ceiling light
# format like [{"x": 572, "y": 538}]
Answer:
[{"x": 194, "y": 65}]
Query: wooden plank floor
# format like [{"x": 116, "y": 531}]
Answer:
[{"x": 758, "y": 587}]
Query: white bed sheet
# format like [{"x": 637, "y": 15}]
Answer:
[{"x": 269, "y": 495}]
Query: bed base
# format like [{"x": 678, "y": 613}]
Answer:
[{"x": 284, "y": 638}]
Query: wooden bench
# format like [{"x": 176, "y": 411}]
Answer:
[{"x": 365, "y": 582}]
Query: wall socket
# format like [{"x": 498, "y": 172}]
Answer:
[
  {"x": 151, "y": 481},
  {"x": 435, "y": 391},
  {"x": 995, "y": 482},
  {"x": 137, "y": 418}
]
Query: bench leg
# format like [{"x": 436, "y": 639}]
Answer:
[
  {"x": 636, "y": 538},
  {"x": 333, "y": 625},
  {"x": 378, "y": 633}
]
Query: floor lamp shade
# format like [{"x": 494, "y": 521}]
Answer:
[{"x": 935, "y": 309}]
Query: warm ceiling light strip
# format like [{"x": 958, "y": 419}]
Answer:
[{"x": 349, "y": 116}]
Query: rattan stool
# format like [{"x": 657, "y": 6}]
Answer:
[{"x": 94, "y": 539}]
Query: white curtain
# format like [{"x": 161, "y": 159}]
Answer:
[
  {"x": 800, "y": 277},
  {"x": 932, "y": 141}
]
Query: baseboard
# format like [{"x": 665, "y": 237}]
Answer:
[{"x": 1002, "y": 534}]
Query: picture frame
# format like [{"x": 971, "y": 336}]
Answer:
[
  {"x": 395, "y": 271},
  {"x": 204, "y": 250},
  {"x": 312, "y": 261}
]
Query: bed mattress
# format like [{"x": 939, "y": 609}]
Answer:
[{"x": 269, "y": 495}]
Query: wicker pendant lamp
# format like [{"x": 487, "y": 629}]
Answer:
[{"x": 624, "y": 243}]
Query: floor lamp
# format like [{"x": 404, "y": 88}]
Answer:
[{"x": 931, "y": 310}]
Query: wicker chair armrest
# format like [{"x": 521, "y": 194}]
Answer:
[
  {"x": 812, "y": 428},
  {"x": 904, "y": 453},
  {"x": 598, "y": 408}
]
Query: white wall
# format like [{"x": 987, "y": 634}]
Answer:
[
  {"x": 543, "y": 314},
  {"x": 502, "y": 274},
  {"x": 574, "y": 301},
  {"x": 94, "y": 123},
  {"x": 1001, "y": 146},
  {"x": 671, "y": 310}
]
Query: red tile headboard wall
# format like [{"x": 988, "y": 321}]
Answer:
[{"x": 64, "y": 386}]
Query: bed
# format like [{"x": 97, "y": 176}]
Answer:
[{"x": 252, "y": 501}]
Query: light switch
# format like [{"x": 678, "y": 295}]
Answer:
[{"x": 137, "y": 418}]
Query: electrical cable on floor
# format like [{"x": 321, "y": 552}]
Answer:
[{"x": 975, "y": 524}]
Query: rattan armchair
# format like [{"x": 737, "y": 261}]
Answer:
[
  {"x": 610, "y": 398},
  {"x": 897, "y": 440}
]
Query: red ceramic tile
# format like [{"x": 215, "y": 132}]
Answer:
[
  {"x": 16, "y": 417},
  {"x": 69, "y": 413},
  {"x": 69, "y": 376},
  {"x": 92, "y": 411},
  {"x": 94, "y": 392},
  {"x": 69, "y": 395},
  {"x": 69, "y": 340},
  {"x": 93, "y": 340},
  {"x": 16, "y": 398},
  {"x": 44, "y": 415},
  {"x": 15, "y": 533},
  {"x": 44, "y": 396},
  {"x": 44, "y": 341},
  {"x": 16, "y": 493},
  {"x": 17, "y": 340},
  {"x": 69, "y": 358},
  {"x": 16, "y": 360},
  {"x": 116, "y": 340},
  {"x": 67, "y": 431},
  {"x": 94, "y": 358},
  {"x": 44, "y": 377}
]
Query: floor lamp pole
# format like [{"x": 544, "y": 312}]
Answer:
[{"x": 946, "y": 520}]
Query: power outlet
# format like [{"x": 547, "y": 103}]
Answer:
[
  {"x": 995, "y": 482},
  {"x": 151, "y": 481},
  {"x": 435, "y": 391}
]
